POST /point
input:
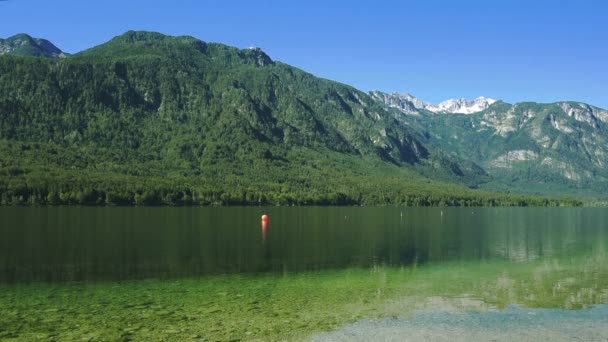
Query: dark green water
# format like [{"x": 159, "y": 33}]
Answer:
[{"x": 87, "y": 243}]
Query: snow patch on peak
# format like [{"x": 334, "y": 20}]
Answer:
[
  {"x": 410, "y": 104},
  {"x": 463, "y": 106}
]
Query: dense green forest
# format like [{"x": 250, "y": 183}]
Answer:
[
  {"x": 309, "y": 177},
  {"x": 148, "y": 119}
]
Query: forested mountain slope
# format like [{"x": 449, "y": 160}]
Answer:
[{"x": 153, "y": 119}]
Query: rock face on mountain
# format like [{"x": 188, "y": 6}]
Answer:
[
  {"x": 557, "y": 147},
  {"x": 24, "y": 45}
]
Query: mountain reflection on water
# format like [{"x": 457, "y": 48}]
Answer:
[{"x": 88, "y": 243}]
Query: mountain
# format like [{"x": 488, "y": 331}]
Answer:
[
  {"x": 411, "y": 104},
  {"x": 554, "y": 148},
  {"x": 152, "y": 119},
  {"x": 24, "y": 45}
]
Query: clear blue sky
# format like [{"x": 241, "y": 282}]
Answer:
[{"x": 514, "y": 50}]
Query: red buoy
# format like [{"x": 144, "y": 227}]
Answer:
[{"x": 264, "y": 218}]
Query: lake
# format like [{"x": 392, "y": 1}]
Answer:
[{"x": 145, "y": 273}]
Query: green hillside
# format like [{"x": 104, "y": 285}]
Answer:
[{"x": 153, "y": 119}]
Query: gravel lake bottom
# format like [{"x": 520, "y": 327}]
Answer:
[{"x": 514, "y": 323}]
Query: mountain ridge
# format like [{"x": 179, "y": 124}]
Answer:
[{"x": 418, "y": 104}]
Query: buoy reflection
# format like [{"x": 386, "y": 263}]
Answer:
[{"x": 264, "y": 230}]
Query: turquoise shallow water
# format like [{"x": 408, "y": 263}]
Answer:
[{"x": 514, "y": 323}]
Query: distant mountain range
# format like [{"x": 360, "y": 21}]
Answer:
[
  {"x": 153, "y": 119},
  {"x": 526, "y": 147},
  {"x": 411, "y": 104},
  {"x": 24, "y": 45}
]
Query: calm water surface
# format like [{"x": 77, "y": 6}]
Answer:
[{"x": 88, "y": 243}]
